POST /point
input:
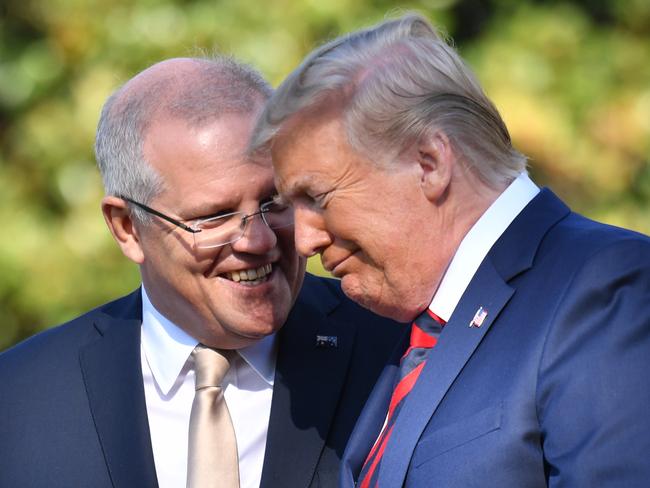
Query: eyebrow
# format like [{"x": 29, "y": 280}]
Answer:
[
  {"x": 205, "y": 211},
  {"x": 213, "y": 208},
  {"x": 298, "y": 185}
]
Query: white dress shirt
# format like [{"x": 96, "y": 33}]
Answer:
[
  {"x": 168, "y": 375},
  {"x": 477, "y": 243}
]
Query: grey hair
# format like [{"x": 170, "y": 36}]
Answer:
[
  {"x": 210, "y": 88},
  {"x": 397, "y": 82}
]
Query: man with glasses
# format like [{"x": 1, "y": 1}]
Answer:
[{"x": 124, "y": 395}]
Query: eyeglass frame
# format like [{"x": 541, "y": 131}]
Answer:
[{"x": 244, "y": 219}]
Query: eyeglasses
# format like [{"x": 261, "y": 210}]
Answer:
[{"x": 225, "y": 229}]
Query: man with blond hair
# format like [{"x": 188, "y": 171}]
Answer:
[{"x": 530, "y": 335}]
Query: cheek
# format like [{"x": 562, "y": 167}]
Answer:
[
  {"x": 194, "y": 278},
  {"x": 286, "y": 244},
  {"x": 363, "y": 221},
  {"x": 205, "y": 257},
  {"x": 344, "y": 217},
  {"x": 294, "y": 273},
  {"x": 285, "y": 237},
  {"x": 301, "y": 267},
  {"x": 388, "y": 272}
]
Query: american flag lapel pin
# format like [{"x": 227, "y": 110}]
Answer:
[
  {"x": 479, "y": 318},
  {"x": 327, "y": 342}
]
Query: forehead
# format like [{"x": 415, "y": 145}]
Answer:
[
  {"x": 310, "y": 149},
  {"x": 206, "y": 161}
]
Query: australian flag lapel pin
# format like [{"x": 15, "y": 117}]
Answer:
[
  {"x": 327, "y": 342},
  {"x": 479, "y": 318}
]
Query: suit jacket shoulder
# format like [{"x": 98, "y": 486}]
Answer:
[
  {"x": 59, "y": 342},
  {"x": 63, "y": 393},
  {"x": 540, "y": 393}
]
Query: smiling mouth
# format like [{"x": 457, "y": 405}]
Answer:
[{"x": 251, "y": 276}]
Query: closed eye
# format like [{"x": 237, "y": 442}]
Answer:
[
  {"x": 216, "y": 220},
  {"x": 322, "y": 199},
  {"x": 226, "y": 212}
]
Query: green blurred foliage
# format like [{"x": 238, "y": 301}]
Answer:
[{"x": 572, "y": 80}]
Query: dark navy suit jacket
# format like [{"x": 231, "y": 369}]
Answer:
[
  {"x": 73, "y": 413},
  {"x": 553, "y": 389}
]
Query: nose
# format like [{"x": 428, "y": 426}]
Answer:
[
  {"x": 258, "y": 238},
  {"x": 311, "y": 236}
]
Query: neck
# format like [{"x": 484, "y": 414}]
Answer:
[{"x": 465, "y": 201}]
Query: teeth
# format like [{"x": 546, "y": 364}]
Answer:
[{"x": 251, "y": 274}]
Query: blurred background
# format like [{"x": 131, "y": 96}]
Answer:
[{"x": 571, "y": 78}]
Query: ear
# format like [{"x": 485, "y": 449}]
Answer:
[
  {"x": 436, "y": 159},
  {"x": 120, "y": 223}
]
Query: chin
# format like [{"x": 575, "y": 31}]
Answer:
[
  {"x": 237, "y": 338},
  {"x": 368, "y": 301},
  {"x": 390, "y": 306},
  {"x": 404, "y": 310},
  {"x": 397, "y": 313},
  {"x": 254, "y": 336},
  {"x": 263, "y": 325}
]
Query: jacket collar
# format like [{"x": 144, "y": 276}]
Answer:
[
  {"x": 308, "y": 383},
  {"x": 512, "y": 254},
  {"x": 112, "y": 375}
]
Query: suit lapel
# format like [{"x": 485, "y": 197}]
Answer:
[
  {"x": 455, "y": 346},
  {"x": 513, "y": 253},
  {"x": 308, "y": 383},
  {"x": 372, "y": 418},
  {"x": 113, "y": 377}
]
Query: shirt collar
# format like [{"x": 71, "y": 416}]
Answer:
[
  {"x": 477, "y": 243},
  {"x": 167, "y": 348},
  {"x": 261, "y": 357}
]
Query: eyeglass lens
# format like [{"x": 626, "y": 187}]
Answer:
[{"x": 221, "y": 231}]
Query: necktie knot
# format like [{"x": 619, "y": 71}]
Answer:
[
  {"x": 210, "y": 366},
  {"x": 425, "y": 330}
]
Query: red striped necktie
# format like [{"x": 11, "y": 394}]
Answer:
[{"x": 424, "y": 334}]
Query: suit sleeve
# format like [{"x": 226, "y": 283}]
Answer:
[{"x": 593, "y": 392}]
